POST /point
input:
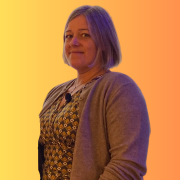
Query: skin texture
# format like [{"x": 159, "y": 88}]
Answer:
[{"x": 78, "y": 40}]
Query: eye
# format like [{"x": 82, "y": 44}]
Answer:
[
  {"x": 68, "y": 36},
  {"x": 85, "y": 35}
]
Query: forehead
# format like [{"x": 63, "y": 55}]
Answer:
[{"x": 78, "y": 23}]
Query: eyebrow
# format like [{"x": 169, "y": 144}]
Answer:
[{"x": 78, "y": 30}]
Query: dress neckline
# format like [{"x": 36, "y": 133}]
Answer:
[{"x": 97, "y": 77}]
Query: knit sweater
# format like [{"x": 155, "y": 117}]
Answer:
[{"x": 113, "y": 134}]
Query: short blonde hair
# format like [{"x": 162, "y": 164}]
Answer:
[{"x": 103, "y": 33}]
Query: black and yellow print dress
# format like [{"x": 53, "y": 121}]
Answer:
[{"x": 58, "y": 134}]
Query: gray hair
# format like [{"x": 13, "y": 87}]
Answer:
[{"x": 103, "y": 33}]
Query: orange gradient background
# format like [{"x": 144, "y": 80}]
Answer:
[{"x": 31, "y": 64}]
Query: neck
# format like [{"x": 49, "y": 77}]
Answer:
[{"x": 84, "y": 77}]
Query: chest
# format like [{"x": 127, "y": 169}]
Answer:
[{"x": 72, "y": 91}]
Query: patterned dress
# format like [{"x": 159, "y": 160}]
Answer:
[{"x": 58, "y": 134}]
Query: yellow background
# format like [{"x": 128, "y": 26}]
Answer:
[{"x": 31, "y": 38}]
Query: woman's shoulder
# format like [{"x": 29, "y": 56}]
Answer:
[
  {"x": 116, "y": 82},
  {"x": 56, "y": 89},
  {"x": 62, "y": 85},
  {"x": 118, "y": 78},
  {"x": 121, "y": 85}
]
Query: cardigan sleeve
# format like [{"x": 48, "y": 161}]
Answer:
[
  {"x": 128, "y": 131},
  {"x": 40, "y": 146},
  {"x": 40, "y": 158}
]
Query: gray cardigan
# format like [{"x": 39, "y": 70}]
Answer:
[{"x": 113, "y": 133}]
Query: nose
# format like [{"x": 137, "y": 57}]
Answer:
[{"x": 74, "y": 41}]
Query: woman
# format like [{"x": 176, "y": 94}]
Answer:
[{"x": 94, "y": 127}]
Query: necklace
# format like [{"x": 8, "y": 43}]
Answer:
[{"x": 68, "y": 96}]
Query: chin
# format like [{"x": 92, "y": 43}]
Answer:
[{"x": 76, "y": 65}]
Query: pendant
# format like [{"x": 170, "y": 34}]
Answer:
[{"x": 68, "y": 97}]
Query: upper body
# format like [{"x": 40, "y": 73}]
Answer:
[
  {"x": 113, "y": 132},
  {"x": 112, "y": 136}
]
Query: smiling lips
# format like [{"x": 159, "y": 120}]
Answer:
[{"x": 75, "y": 52}]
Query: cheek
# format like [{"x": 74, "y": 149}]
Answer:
[
  {"x": 91, "y": 47},
  {"x": 66, "y": 49},
  {"x": 92, "y": 50}
]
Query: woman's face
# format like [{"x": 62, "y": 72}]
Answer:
[{"x": 80, "y": 49}]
